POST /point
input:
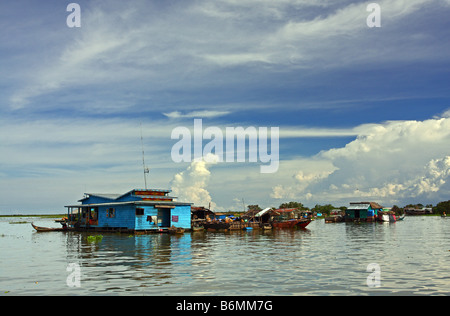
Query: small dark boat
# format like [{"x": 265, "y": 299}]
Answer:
[
  {"x": 303, "y": 223},
  {"x": 300, "y": 223},
  {"x": 176, "y": 230},
  {"x": 49, "y": 229},
  {"x": 216, "y": 225}
]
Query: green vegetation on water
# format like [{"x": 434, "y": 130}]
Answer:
[{"x": 95, "y": 238}]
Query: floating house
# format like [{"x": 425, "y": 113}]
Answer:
[
  {"x": 418, "y": 211},
  {"x": 362, "y": 211},
  {"x": 136, "y": 210}
]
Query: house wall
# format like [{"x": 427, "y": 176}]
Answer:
[
  {"x": 142, "y": 221},
  {"x": 184, "y": 216},
  {"x": 124, "y": 216},
  {"x": 352, "y": 214},
  {"x": 180, "y": 216}
]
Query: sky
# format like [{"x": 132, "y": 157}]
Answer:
[{"x": 363, "y": 112}]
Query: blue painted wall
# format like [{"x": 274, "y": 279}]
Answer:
[
  {"x": 124, "y": 216},
  {"x": 184, "y": 216},
  {"x": 142, "y": 221}
]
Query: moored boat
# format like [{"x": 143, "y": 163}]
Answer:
[
  {"x": 50, "y": 229},
  {"x": 176, "y": 230},
  {"x": 291, "y": 223},
  {"x": 216, "y": 225}
]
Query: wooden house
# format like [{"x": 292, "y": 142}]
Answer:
[
  {"x": 362, "y": 211},
  {"x": 135, "y": 210}
]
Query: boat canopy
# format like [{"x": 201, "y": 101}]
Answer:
[{"x": 264, "y": 211}]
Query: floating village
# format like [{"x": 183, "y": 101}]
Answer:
[{"x": 155, "y": 211}]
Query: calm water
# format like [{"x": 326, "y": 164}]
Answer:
[{"x": 326, "y": 259}]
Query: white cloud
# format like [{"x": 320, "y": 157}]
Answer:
[
  {"x": 445, "y": 114},
  {"x": 295, "y": 132},
  {"x": 391, "y": 162},
  {"x": 191, "y": 184},
  {"x": 140, "y": 44}
]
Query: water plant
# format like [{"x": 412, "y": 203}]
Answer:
[{"x": 95, "y": 238}]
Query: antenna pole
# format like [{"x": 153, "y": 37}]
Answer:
[{"x": 146, "y": 170}]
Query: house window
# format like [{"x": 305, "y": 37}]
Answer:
[
  {"x": 139, "y": 211},
  {"x": 110, "y": 212}
]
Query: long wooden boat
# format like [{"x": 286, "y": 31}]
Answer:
[
  {"x": 49, "y": 229},
  {"x": 300, "y": 223},
  {"x": 216, "y": 225},
  {"x": 176, "y": 230}
]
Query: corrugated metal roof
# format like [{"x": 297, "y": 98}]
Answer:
[
  {"x": 364, "y": 205},
  {"x": 109, "y": 196},
  {"x": 143, "y": 203},
  {"x": 285, "y": 210},
  {"x": 359, "y": 206},
  {"x": 264, "y": 211}
]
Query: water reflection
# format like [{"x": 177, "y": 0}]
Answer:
[{"x": 324, "y": 259}]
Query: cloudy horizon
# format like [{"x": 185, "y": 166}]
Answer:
[{"x": 363, "y": 113}]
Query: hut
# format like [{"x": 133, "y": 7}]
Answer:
[
  {"x": 136, "y": 210},
  {"x": 362, "y": 211},
  {"x": 260, "y": 218},
  {"x": 201, "y": 213}
]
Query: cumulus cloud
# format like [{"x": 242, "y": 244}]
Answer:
[
  {"x": 191, "y": 184},
  {"x": 391, "y": 162}
]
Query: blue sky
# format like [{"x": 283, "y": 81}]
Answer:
[{"x": 363, "y": 113}]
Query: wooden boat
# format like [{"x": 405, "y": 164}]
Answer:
[
  {"x": 216, "y": 225},
  {"x": 334, "y": 219},
  {"x": 303, "y": 223},
  {"x": 176, "y": 230},
  {"x": 300, "y": 223},
  {"x": 49, "y": 229},
  {"x": 266, "y": 226},
  {"x": 411, "y": 211},
  {"x": 197, "y": 228},
  {"x": 401, "y": 217}
]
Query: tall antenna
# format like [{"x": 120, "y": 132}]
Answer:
[{"x": 146, "y": 170}]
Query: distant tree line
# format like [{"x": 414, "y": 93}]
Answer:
[
  {"x": 440, "y": 208},
  {"x": 324, "y": 209}
]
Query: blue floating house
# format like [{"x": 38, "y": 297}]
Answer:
[{"x": 149, "y": 210}]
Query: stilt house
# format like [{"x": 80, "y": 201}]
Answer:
[
  {"x": 135, "y": 210},
  {"x": 362, "y": 211}
]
